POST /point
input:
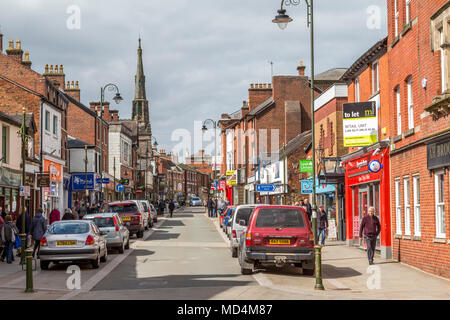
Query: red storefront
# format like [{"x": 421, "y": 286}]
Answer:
[{"x": 367, "y": 185}]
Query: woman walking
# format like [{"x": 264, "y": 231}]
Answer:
[{"x": 9, "y": 232}]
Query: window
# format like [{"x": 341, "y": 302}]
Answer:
[
  {"x": 410, "y": 104},
  {"x": 398, "y": 209},
  {"x": 125, "y": 151},
  {"x": 416, "y": 194},
  {"x": 440, "y": 209},
  {"x": 375, "y": 78},
  {"x": 408, "y": 11},
  {"x": 442, "y": 42},
  {"x": 399, "y": 114},
  {"x": 55, "y": 124},
  {"x": 5, "y": 144},
  {"x": 397, "y": 14},
  {"x": 357, "y": 89},
  {"x": 47, "y": 120},
  {"x": 407, "y": 206}
]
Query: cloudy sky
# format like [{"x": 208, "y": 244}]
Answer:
[{"x": 199, "y": 56}]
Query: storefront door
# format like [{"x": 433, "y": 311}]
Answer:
[
  {"x": 363, "y": 207},
  {"x": 369, "y": 196}
]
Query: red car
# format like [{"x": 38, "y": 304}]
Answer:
[
  {"x": 132, "y": 214},
  {"x": 276, "y": 236}
]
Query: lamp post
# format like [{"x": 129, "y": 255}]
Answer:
[
  {"x": 282, "y": 20},
  {"x": 204, "y": 129},
  {"x": 155, "y": 144},
  {"x": 117, "y": 98}
]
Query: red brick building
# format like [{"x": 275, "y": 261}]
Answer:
[{"x": 418, "y": 53}]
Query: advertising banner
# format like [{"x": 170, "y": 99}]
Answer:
[
  {"x": 305, "y": 165},
  {"x": 232, "y": 178},
  {"x": 360, "y": 124},
  {"x": 54, "y": 169},
  {"x": 78, "y": 181}
]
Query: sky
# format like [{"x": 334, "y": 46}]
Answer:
[{"x": 200, "y": 56}]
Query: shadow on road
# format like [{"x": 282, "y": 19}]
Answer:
[{"x": 333, "y": 272}]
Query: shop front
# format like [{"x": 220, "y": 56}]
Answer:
[
  {"x": 53, "y": 197},
  {"x": 367, "y": 185},
  {"x": 10, "y": 181}
]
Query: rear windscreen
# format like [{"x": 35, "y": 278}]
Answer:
[
  {"x": 123, "y": 208},
  {"x": 103, "y": 222},
  {"x": 243, "y": 214},
  {"x": 68, "y": 228},
  {"x": 145, "y": 206},
  {"x": 284, "y": 218}
]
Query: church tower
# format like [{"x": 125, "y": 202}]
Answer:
[{"x": 140, "y": 102}]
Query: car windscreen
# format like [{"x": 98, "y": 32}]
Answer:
[
  {"x": 196, "y": 199},
  {"x": 69, "y": 228},
  {"x": 123, "y": 208},
  {"x": 243, "y": 214},
  {"x": 103, "y": 222},
  {"x": 284, "y": 218}
]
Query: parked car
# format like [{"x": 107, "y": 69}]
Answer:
[
  {"x": 116, "y": 235},
  {"x": 150, "y": 218},
  {"x": 73, "y": 240},
  {"x": 243, "y": 212},
  {"x": 276, "y": 236},
  {"x": 132, "y": 214},
  {"x": 154, "y": 213},
  {"x": 228, "y": 223},
  {"x": 195, "y": 202},
  {"x": 225, "y": 216}
]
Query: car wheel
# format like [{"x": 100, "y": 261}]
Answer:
[
  {"x": 96, "y": 263},
  {"x": 44, "y": 265},
  {"x": 105, "y": 256},
  {"x": 140, "y": 234},
  {"x": 246, "y": 271},
  {"x": 122, "y": 247},
  {"x": 127, "y": 246},
  {"x": 234, "y": 252},
  {"x": 308, "y": 272}
]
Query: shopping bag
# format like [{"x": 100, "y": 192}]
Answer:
[{"x": 17, "y": 243}]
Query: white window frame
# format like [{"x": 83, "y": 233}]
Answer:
[
  {"x": 399, "y": 111},
  {"x": 442, "y": 41},
  {"x": 439, "y": 206},
  {"x": 410, "y": 104},
  {"x": 398, "y": 209},
  {"x": 408, "y": 11},
  {"x": 407, "y": 203},
  {"x": 396, "y": 17},
  {"x": 357, "y": 89},
  {"x": 47, "y": 123},
  {"x": 375, "y": 73},
  {"x": 416, "y": 195}
]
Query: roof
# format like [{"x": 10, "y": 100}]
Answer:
[
  {"x": 377, "y": 50},
  {"x": 262, "y": 107},
  {"x": 73, "y": 143},
  {"x": 334, "y": 74},
  {"x": 7, "y": 118},
  {"x": 297, "y": 142}
]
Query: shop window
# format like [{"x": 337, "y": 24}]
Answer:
[
  {"x": 407, "y": 199},
  {"x": 416, "y": 194},
  {"x": 398, "y": 209},
  {"x": 440, "y": 209}
]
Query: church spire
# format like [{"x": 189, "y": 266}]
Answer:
[{"x": 140, "y": 103}]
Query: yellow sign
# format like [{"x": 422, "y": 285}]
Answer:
[
  {"x": 231, "y": 172},
  {"x": 231, "y": 177}
]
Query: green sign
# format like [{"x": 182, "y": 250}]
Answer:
[{"x": 306, "y": 166}]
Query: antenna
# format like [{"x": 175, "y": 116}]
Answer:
[{"x": 271, "y": 69}]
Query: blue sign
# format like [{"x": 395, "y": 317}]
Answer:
[
  {"x": 375, "y": 166},
  {"x": 78, "y": 181},
  {"x": 307, "y": 186},
  {"x": 119, "y": 188},
  {"x": 100, "y": 181},
  {"x": 265, "y": 188}
]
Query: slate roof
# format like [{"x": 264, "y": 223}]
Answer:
[{"x": 262, "y": 107}]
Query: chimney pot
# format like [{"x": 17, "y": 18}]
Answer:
[
  {"x": 251, "y": 86},
  {"x": 301, "y": 69},
  {"x": 11, "y": 44},
  {"x": 68, "y": 85},
  {"x": 72, "y": 85},
  {"x": 18, "y": 44},
  {"x": 27, "y": 56},
  {"x": 51, "y": 68},
  {"x": 56, "y": 68},
  {"x": 46, "y": 68},
  {"x": 61, "y": 69},
  {"x": 1, "y": 42}
]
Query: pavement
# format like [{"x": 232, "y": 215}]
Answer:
[{"x": 187, "y": 257}]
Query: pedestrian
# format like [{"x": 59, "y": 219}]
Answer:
[
  {"x": 370, "y": 226},
  {"x": 19, "y": 225},
  {"x": 322, "y": 225},
  {"x": 9, "y": 232},
  {"x": 83, "y": 211},
  {"x": 55, "y": 215},
  {"x": 215, "y": 207},
  {"x": 2, "y": 214},
  {"x": 2, "y": 221},
  {"x": 38, "y": 228},
  {"x": 161, "y": 207},
  {"x": 75, "y": 213},
  {"x": 171, "y": 207},
  {"x": 209, "y": 204},
  {"x": 308, "y": 208},
  {"x": 68, "y": 215}
]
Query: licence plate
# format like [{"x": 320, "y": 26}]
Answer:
[
  {"x": 279, "y": 241},
  {"x": 66, "y": 243},
  {"x": 126, "y": 219}
]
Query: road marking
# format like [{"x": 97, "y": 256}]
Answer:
[
  {"x": 339, "y": 285},
  {"x": 99, "y": 276}
]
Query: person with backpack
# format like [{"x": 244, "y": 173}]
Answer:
[
  {"x": 9, "y": 232},
  {"x": 38, "y": 229},
  {"x": 19, "y": 225},
  {"x": 68, "y": 215}
]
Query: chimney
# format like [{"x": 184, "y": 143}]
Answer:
[
  {"x": 26, "y": 61},
  {"x": 106, "y": 113},
  {"x": 57, "y": 77},
  {"x": 301, "y": 69},
  {"x": 93, "y": 106},
  {"x": 15, "y": 53},
  {"x": 115, "y": 115},
  {"x": 1, "y": 42},
  {"x": 73, "y": 90},
  {"x": 257, "y": 94}
]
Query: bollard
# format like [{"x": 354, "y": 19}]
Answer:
[
  {"x": 22, "y": 248},
  {"x": 319, "y": 285},
  {"x": 29, "y": 258}
]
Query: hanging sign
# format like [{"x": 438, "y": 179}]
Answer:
[{"x": 360, "y": 124}]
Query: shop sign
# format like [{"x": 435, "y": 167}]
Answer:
[
  {"x": 54, "y": 169},
  {"x": 9, "y": 178},
  {"x": 232, "y": 179},
  {"x": 356, "y": 226},
  {"x": 360, "y": 124},
  {"x": 43, "y": 180},
  {"x": 375, "y": 166},
  {"x": 222, "y": 185},
  {"x": 305, "y": 165},
  {"x": 438, "y": 155},
  {"x": 29, "y": 180},
  {"x": 307, "y": 186},
  {"x": 79, "y": 181}
]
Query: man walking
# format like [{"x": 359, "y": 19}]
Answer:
[
  {"x": 210, "y": 207},
  {"x": 308, "y": 208},
  {"x": 370, "y": 226},
  {"x": 322, "y": 225},
  {"x": 171, "y": 207},
  {"x": 38, "y": 228}
]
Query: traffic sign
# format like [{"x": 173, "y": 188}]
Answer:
[
  {"x": 25, "y": 191},
  {"x": 100, "y": 181},
  {"x": 119, "y": 188},
  {"x": 265, "y": 188},
  {"x": 139, "y": 191}
]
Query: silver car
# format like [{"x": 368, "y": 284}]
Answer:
[
  {"x": 117, "y": 235},
  {"x": 196, "y": 201},
  {"x": 73, "y": 240}
]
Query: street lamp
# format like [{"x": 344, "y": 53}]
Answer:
[
  {"x": 282, "y": 19},
  {"x": 117, "y": 99},
  {"x": 204, "y": 129}
]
